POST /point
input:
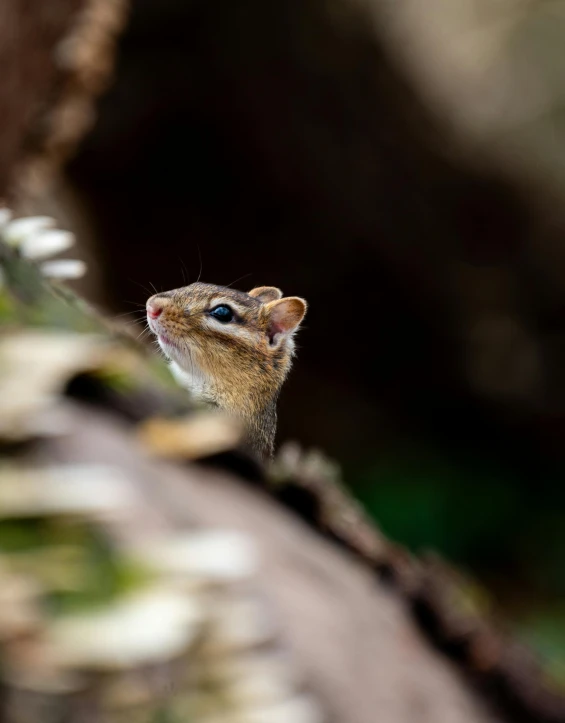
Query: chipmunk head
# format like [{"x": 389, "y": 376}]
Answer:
[{"x": 231, "y": 349}]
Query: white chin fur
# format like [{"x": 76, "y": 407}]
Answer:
[
  {"x": 182, "y": 368},
  {"x": 191, "y": 380},
  {"x": 167, "y": 349}
]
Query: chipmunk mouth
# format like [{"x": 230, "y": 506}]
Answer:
[{"x": 164, "y": 340}]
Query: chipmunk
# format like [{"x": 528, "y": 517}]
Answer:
[{"x": 232, "y": 350}]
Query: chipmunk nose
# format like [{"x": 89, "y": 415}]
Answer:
[{"x": 155, "y": 307}]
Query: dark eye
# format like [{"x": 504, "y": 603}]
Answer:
[{"x": 222, "y": 313}]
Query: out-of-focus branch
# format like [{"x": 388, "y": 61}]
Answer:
[{"x": 57, "y": 59}]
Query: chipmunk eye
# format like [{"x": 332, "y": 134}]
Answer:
[{"x": 222, "y": 313}]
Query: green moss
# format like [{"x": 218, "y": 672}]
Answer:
[
  {"x": 116, "y": 379},
  {"x": 21, "y": 535},
  {"x": 27, "y": 300},
  {"x": 75, "y": 563},
  {"x": 102, "y": 577},
  {"x": 165, "y": 715},
  {"x": 544, "y": 632}
]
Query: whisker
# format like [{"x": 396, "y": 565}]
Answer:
[
  {"x": 129, "y": 313},
  {"x": 200, "y": 258},
  {"x": 184, "y": 271},
  {"x": 127, "y": 324},
  {"x": 240, "y": 279},
  {"x": 133, "y": 325},
  {"x": 142, "y": 333},
  {"x": 141, "y": 286}
]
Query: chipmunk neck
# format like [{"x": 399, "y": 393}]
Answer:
[
  {"x": 261, "y": 426},
  {"x": 257, "y": 408}
]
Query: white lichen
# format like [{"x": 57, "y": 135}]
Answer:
[
  {"x": 20, "y": 229},
  {"x": 148, "y": 627},
  {"x": 36, "y": 238},
  {"x": 63, "y": 269},
  {"x": 46, "y": 243},
  {"x": 213, "y": 556}
]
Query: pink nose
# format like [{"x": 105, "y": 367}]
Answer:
[{"x": 154, "y": 308}]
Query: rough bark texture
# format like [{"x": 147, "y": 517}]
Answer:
[{"x": 351, "y": 638}]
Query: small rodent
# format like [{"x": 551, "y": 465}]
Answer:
[{"x": 232, "y": 350}]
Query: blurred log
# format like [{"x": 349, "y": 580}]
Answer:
[
  {"x": 351, "y": 640},
  {"x": 352, "y": 644},
  {"x": 90, "y": 520}
]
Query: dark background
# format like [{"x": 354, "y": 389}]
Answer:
[{"x": 280, "y": 144}]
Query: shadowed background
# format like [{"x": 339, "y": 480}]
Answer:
[{"x": 406, "y": 177}]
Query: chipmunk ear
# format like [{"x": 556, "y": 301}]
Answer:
[
  {"x": 265, "y": 294},
  {"x": 284, "y": 316}
]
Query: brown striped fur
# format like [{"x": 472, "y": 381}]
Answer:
[{"x": 239, "y": 366}]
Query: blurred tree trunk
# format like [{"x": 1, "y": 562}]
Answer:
[{"x": 29, "y": 33}]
